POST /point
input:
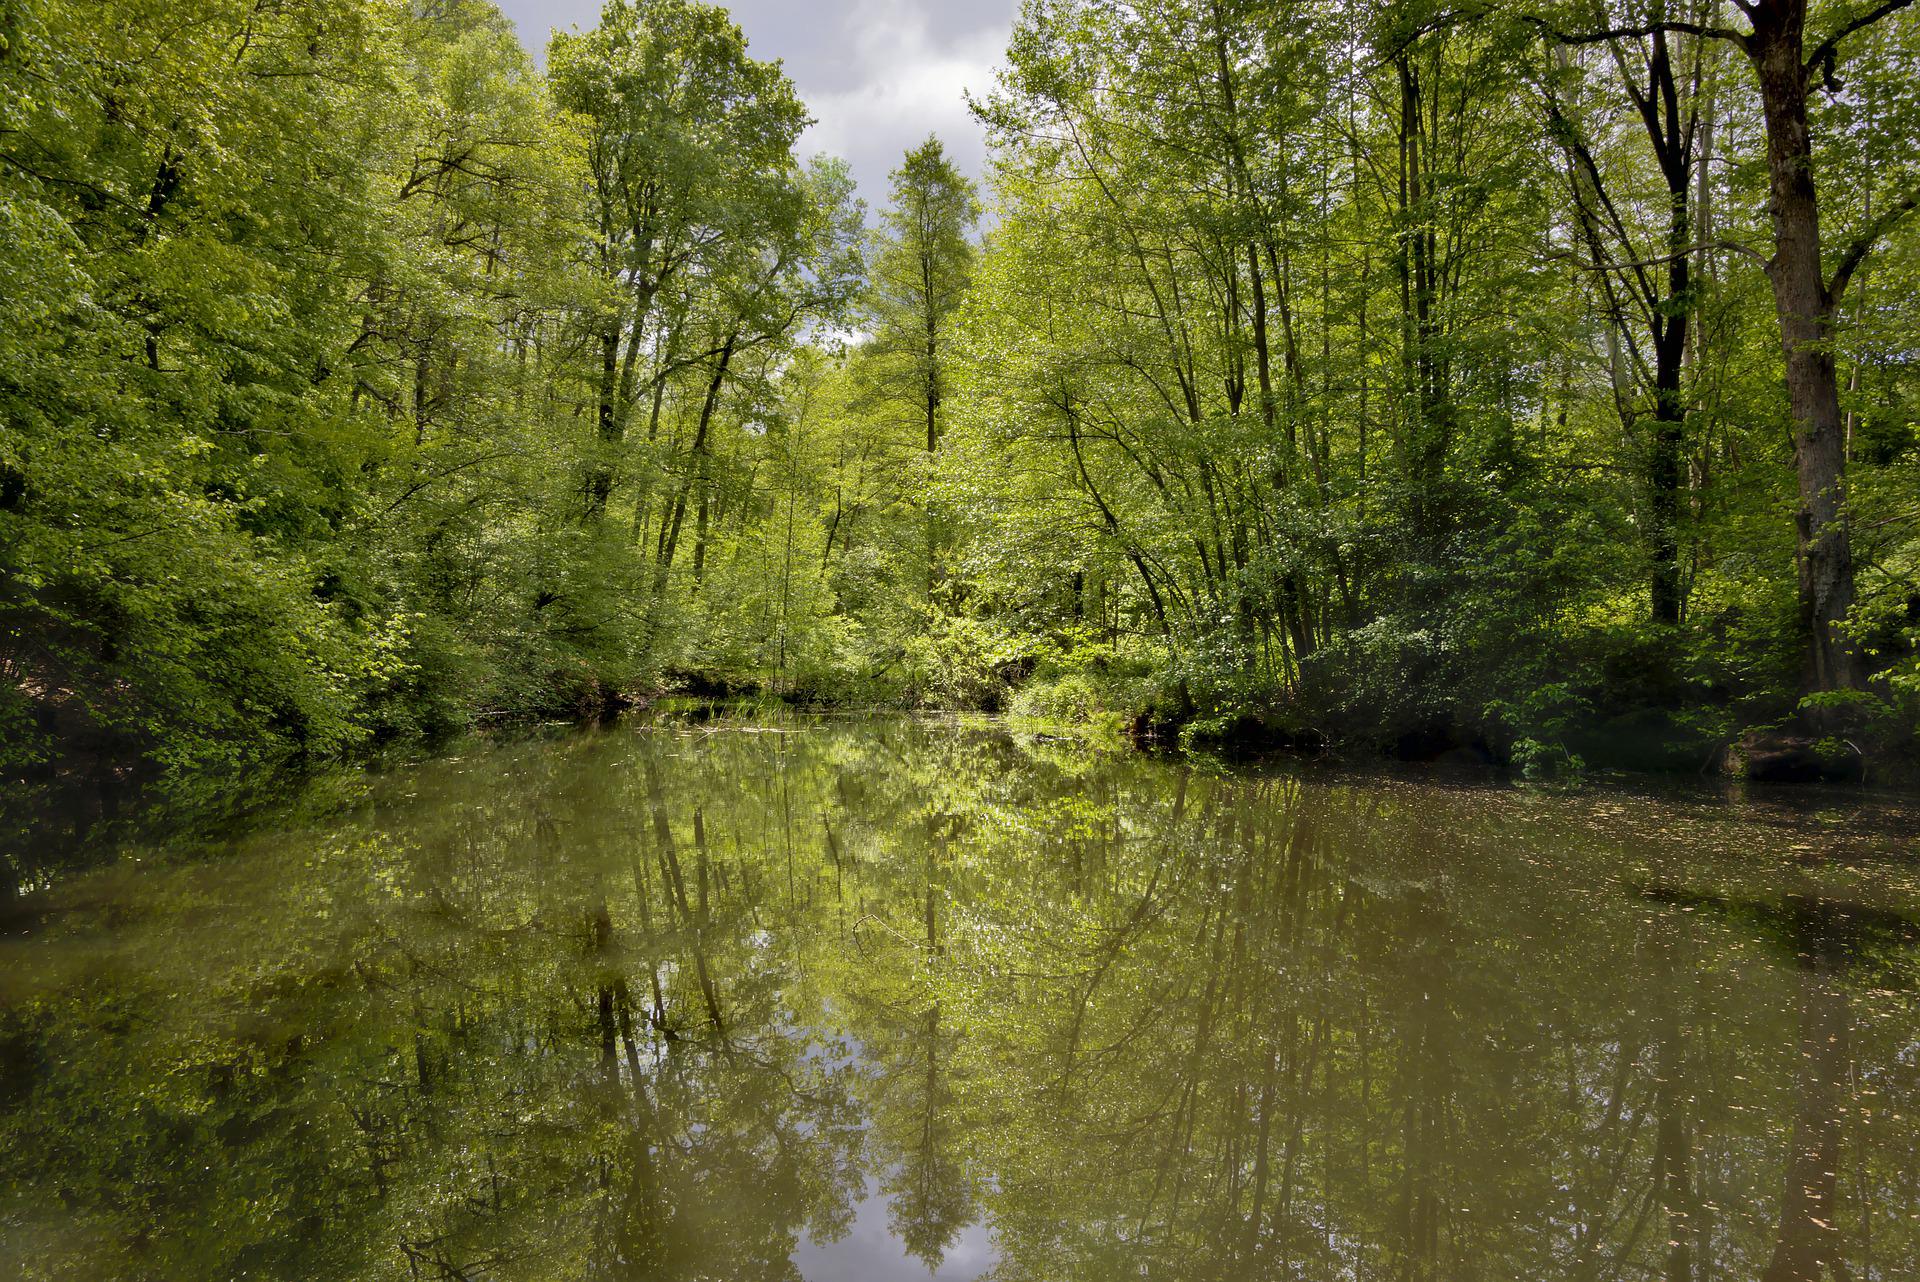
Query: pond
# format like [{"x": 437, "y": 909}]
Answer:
[{"x": 879, "y": 998}]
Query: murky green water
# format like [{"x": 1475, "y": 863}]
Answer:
[{"x": 864, "y": 999}]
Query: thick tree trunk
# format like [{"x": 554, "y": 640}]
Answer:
[
  {"x": 1427, "y": 436},
  {"x": 1664, "y": 497},
  {"x": 1805, "y": 308}
]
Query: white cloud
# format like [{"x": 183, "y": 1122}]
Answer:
[
  {"x": 907, "y": 83},
  {"x": 878, "y": 75}
]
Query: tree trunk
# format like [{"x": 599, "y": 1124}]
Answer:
[
  {"x": 697, "y": 456},
  {"x": 600, "y": 478},
  {"x": 1805, "y": 308},
  {"x": 1669, "y": 400}
]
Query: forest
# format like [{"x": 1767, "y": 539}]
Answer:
[{"x": 1528, "y": 379}]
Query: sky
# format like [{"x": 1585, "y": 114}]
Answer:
[{"x": 878, "y": 75}]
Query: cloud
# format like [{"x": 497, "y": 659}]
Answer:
[
  {"x": 878, "y": 75},
  {"x": 909, "y": 83}
]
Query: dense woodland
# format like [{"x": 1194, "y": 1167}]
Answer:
[{"x": 1527, "y": 376}]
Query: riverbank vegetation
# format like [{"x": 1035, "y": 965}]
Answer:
[{"x": 1526, "y": 379}]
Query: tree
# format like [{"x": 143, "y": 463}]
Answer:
[
  {"x": 1646, "y": 272},
  {"x": 692, "y": 160},
  {"x": 1806, "y": 296},
  {"x": 921, "y": 268},
  {"x": 1384, "y": 373}
]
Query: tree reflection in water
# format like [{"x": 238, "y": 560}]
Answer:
[{"x": 670, "y": 1002}]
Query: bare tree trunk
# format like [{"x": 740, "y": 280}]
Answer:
[{"x": 1673, "y": 141}]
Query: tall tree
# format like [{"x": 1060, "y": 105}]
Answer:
[
  {"x": 921, "y": 270},
  {"x": 691, "y": 152},
  {"x": 1806, "y": 295},
  {"x": 1642, "y": 256}
]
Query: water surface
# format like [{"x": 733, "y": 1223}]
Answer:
[{"x": 880, "y": 999}]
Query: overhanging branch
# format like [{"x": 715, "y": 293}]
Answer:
[
  {"x": 1669, "y": 27},
  {"x": 1869, "y": 236},
  {"x": 1825, "y": 50}
]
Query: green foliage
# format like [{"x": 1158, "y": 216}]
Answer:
[
  {"x": 1084, "y": 680},
  {"x": 1342, "y": 385},
  {"x": 961, "y": 662},
  {"x": 922, "y": 264},
  {"x": 303, "y": 319},
  {"x": 1387, "y": 379}
]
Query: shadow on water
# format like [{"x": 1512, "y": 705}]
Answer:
[{"x": 875, "y": 998}]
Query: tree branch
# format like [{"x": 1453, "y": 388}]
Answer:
[
  {"x": 1869, "y": 237},
  {"x": 1825, "y": 50},
  {"x": 1645, "y": 29},
  {"x": 1733, "y": 246}
]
